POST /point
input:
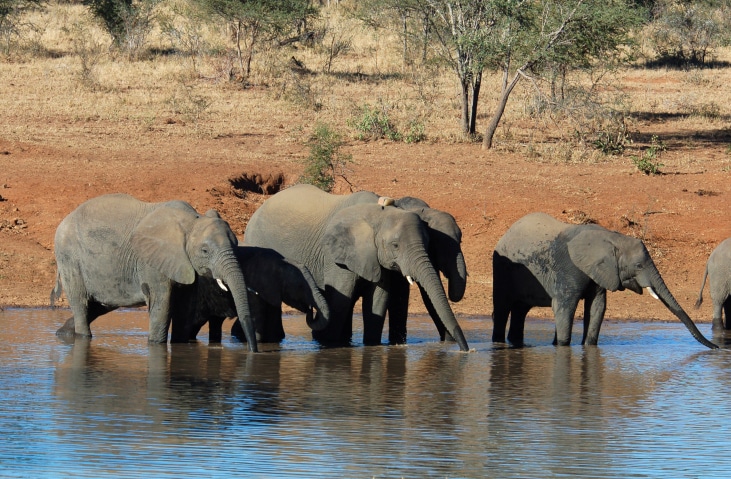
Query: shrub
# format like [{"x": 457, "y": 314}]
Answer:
[
  {"x": 326, "y": 161},
  {"x": 373, "y": 124},
  {"x": 684, "y": 33},
  {"x": 648, "y": 162}
]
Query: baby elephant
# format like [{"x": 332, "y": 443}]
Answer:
[
  {"x": 718, "y": 272},
  {"x": 271, "y": 279},
  {"x": 541, "y": 261}
]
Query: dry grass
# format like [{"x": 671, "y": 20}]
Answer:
[{"x": 113, "y": 101}]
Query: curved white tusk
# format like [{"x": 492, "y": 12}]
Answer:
[
  {"x": 410, "y": 279},
  {"x": 221, "y": 285},
  {"x": 652, "y": 293}
]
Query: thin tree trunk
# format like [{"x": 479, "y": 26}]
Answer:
[
  {"x": 239, "y": 53},
  {"x": 475, "y": 96},
  {"x": 406, "y": 42},
  {"x": 465, "y": 106},
  {"x": 492, "y": 126}
]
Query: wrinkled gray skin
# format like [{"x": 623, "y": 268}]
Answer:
[
  {"x": 347, "y": 243},
  {"x": 445, "y": 254},
  {"x": 541, "y": 261},
  {"x": 116, "y": 251},
  {"x": 718, "y": 273},
  {"x": 271, "y": 280}
]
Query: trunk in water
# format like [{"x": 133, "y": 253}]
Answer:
[
  {"x": 320, "y": 321},
  {"x": 663, "y": 293},
  {"x": 428, "y": 279},
  {"x": 231, "y": 274}
]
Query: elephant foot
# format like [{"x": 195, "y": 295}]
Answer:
[
  {"x": 328, "y": 341},
  {"x": 68, "y": 329},
  {"x": 718, "y": 325}
]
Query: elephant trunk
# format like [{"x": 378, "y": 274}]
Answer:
[
  {"x": 664, "y": 295},
  {"x": 457, "y": 282},
  {"x": 227, "y": 269},
  {"x": 428, "y": 279},
  {"x": 322, "y": 319}
]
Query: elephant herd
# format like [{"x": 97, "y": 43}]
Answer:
[{"x": 320, "y": 253}]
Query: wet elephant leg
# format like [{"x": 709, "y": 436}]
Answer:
[
  {"x": 269, "y": 325},
  {"x": 375, "y": 301},
  {"x": 215, "y": 327},
  {"x": 517, "y": 323},
  {"x": 726, "y": 311},
  {"x": 93, "y": 311},
  {"x": 398, "y": 310},
  {"x": 500, "y": 315},
  {"x": 564, "y": 312},
  {"x": 718, "y": 312}
]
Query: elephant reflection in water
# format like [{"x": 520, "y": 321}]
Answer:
[{"x": 160, "y": 383}]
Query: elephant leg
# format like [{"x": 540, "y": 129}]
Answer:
[
  {"x": 93, "y": 311},
  {"x": 341, "y": 301},
  {"x": 215, "y": 328},
  {"x": 398, "y": 311},
  {"x": 500, "y": 315},
  {"x": 594, "y": 308},
  {"x": 726, "y": 311},
  {"x": 269, "y": 326},
  {"x": 238, "y": 332},
  {"x": 563, "y": 312},
  {"x": 375, "y": 302},
  {"x": 516, "y": 333},
  {"x": 158, "y": 304},
  {"x": 78, "y": 298},
  {"x": 718, "y": 309},
  {"x": 187, "y": 320}
]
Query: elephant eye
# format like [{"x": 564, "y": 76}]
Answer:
[{"x": 204, "y": 250}]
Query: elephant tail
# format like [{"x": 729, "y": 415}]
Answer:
[
  {"x": 699, "y": 301},
  {"x": 56, "y": 291}
]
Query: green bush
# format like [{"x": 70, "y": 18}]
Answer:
[
  {"x": 648, "y": 163},
  {"x": 373, "y": 124},
  {"x": 325, "y": 161}
]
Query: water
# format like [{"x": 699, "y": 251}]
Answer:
[{"x": 648, "y": 402}]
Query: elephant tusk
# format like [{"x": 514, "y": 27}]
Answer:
[
  {"x": 652, "y": 293},
  {"x": 410, "y": 279},
  {"x": 221, "y": 284},
  {"x": 252, "y": 291}
]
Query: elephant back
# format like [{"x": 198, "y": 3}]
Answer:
[
  {"x": 292, "y": 223},
  {"x": 536, "y": 229}
]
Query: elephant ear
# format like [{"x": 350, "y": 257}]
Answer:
[
  {"x": 596, "y": 256},
  {"x": 349, "y": 241},
  {"x": 159, "y": 241}
]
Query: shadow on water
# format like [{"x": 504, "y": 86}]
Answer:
[{"x": 117, "y": 406}]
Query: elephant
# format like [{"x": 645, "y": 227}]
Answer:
[
  {"x": 271, "y": 280},
  {"x": 445, "y": 253},
  {"x": 718, "y": 272},
  {"x": 347, "y": 242},
  {"x": 541, "y": 261},
  {"x": 117, "y": 251}
]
